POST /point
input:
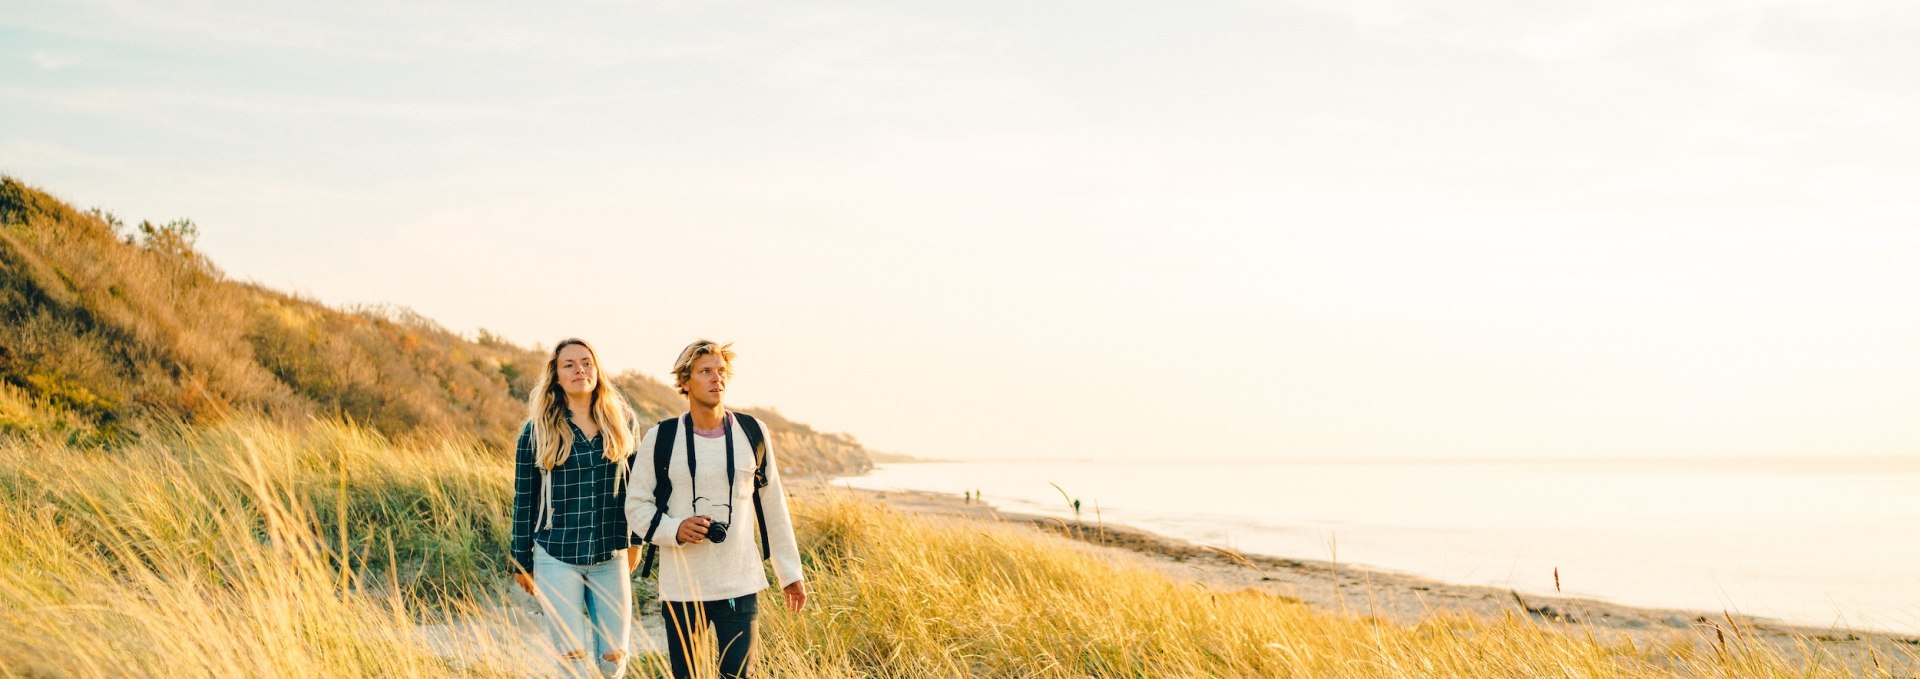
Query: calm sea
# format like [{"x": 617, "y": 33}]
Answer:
[{"x": 1819, "y": 542}]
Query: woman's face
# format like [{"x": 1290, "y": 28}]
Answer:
[{"x": 575, "y": 371}]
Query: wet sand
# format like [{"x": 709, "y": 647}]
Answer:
[{"x": 1407, "y": 599}]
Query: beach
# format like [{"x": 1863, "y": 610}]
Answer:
[{"x": 1407, "y": 600}]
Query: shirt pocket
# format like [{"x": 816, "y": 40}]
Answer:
[{"x": 743, "y": 476}]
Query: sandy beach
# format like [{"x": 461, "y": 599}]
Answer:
[{"x": 1406, "y": 599}]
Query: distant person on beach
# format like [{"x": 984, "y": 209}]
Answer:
[
  {"x": 571, "y": 547},
  {"x": 713, "y": 507}
]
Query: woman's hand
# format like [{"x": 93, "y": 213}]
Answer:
[
  {"x": 796, "y": 595},
  {"x": 693, "y": 530},
  {"x": 525, "y": 581},
  {"x": 633, "y": 559}
]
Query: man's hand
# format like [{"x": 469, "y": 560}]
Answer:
[
  {"x": 693, "y": 530},
  {"x": 525, "y": 581},
  {"x": 633, "y": 559},
  {"x": 796, "y": 595}
]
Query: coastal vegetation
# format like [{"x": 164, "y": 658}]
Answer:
[
  {"x": 252, "y": 547},
  {"x": 110, "y": 329},
  {"x": 205, "y": 478}
]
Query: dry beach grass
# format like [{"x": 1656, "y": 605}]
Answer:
[
  {"x": 1408, "y": 600},
  {"x": 252, "y": 548}
]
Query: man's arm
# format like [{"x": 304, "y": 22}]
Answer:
[
  {"x": 640, "y": 506},
  {"x": 781, "y": 545}
]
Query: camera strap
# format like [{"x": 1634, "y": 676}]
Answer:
[{"x": 693, "y": 466}]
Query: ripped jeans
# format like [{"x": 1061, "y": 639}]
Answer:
[{"x": 585, "y": 603}]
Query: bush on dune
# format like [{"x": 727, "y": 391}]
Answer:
[{"x": 109, "y": 330}]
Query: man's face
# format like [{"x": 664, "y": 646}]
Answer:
[{"x": 707, "y": 386}]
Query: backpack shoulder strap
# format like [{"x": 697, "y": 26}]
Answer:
[
  {"x": 757, "y": 439},
  {"x": 663, "y": 454},
  {"x": 662, "y": 489}
]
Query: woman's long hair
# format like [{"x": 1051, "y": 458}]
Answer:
[{"x": 547, "y": 409}]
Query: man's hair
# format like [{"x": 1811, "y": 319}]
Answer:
[{"x": 683, "y": 366}]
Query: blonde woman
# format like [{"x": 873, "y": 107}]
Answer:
[{"x": 571, "y": 548}]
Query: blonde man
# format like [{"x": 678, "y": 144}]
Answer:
[{"x": 713, "y": 506}]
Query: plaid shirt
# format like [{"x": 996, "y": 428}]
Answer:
[{"x": 588, "y": 521}]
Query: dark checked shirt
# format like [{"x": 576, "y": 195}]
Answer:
[{"x": 589, "y": 521}]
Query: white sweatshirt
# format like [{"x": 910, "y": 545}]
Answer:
[{"x": 706, "y": 571}]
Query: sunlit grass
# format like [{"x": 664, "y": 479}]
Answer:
[
  {"x": 200, "y": 556},
  {"x": 906, "y": 595},
  {"x": 255, "y": 549}
]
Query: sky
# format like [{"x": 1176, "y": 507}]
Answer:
[{"x": 1314, "y": 229}]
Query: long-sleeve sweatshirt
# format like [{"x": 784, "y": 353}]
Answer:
[{"x": 709, "y": 571}]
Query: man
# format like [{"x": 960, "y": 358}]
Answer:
[{"x": 708, "y": 529}]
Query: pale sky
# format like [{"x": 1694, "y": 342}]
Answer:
[{"x": 1313, "y": 229}]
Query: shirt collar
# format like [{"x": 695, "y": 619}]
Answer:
[{"x": 577, "y": 434}]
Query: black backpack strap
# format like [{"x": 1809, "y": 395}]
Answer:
[
  {"x": 757, "y": 438},
  {"x": 662, "y": 490}
]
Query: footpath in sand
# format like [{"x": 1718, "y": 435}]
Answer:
[{"x": 1406, "y": 599}]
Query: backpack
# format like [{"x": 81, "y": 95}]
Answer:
[{"x": 663, "y": 484}]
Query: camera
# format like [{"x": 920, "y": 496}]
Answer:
[{"x": 717, "y": 531}]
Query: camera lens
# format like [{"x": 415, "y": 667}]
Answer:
[{"x": 717, "y": 531}]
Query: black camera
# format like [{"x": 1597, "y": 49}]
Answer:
[{"x": 717, "y": 531}]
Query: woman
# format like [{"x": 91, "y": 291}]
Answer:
[{"x": 571, "y": 548}]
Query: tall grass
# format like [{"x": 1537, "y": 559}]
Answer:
[
  {"x": 212, "y": 553},
  {"x": 903, "y": 596},
  {"x": 257, "y": 549}
]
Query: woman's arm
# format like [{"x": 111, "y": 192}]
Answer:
[{"x": 526, "y": 497}]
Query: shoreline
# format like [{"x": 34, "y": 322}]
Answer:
[{"x": 1405, "y": 599}]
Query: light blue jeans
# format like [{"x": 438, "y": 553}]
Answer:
[{"x": 587, "y": 602}]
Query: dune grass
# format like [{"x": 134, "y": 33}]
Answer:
[
  {"x": 906, "y": 596},
  {"x": 258, "y": 549}
]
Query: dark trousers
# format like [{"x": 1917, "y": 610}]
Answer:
[{"x": 732, "y": 623}]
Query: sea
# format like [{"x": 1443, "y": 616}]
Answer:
[{"x": 1823, "y": 542}]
